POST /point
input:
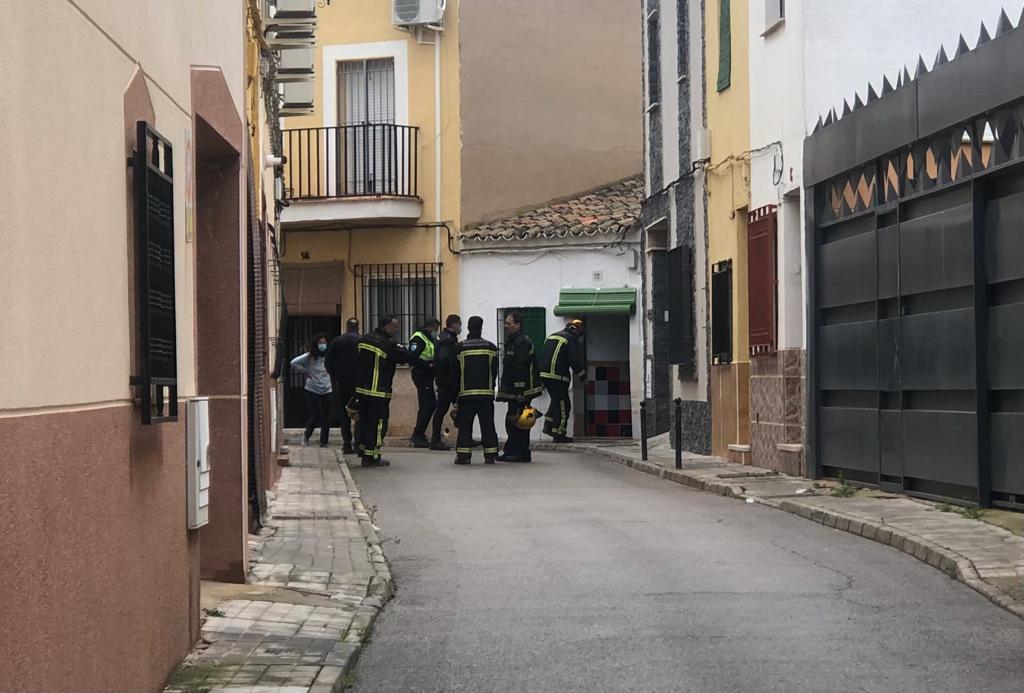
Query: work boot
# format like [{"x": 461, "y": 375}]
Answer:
[
  {"x": 462, "y": 460},
  {"x": 558, "y": 438},
  {"x": 440, "y": 445},
  {"x": 504, "y": 457},
  {"x": 347, "y": 450},
  {"x": 489, "y": 459},
  {"x": 420, "y": 442},
  {"x": 371, "y": 462}
]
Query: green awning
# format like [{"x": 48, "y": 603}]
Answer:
[{"x": 596, "y": 302}]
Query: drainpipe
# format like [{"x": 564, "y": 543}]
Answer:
[{"x": 437, "y": 145}]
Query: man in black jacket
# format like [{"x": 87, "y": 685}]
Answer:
[
  {"x": 562, "y": 359},
  {"x": 422, "y": 348},
  {"x": 445, "y": 377},
  {"x": 341, "y": 360},
  {"x": 476, "y": 370},
  {"x": 378, "y": 354},
  {"x": 520, "y": 384}
]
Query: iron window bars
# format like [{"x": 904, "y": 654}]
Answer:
[{"x": 411, "y": 291}]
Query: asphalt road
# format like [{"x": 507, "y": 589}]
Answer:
[{"x": 577, "y": 574}]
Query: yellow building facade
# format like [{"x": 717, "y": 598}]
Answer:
[{"x": 728, "y": 200}]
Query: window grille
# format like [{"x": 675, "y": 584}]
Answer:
[{"x": 410, "y": 291}]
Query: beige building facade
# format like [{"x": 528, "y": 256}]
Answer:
[
  {"x": 416, "y": 131},
  {"x": 101, "y": 572}
]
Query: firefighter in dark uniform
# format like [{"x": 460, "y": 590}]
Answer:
[
  {"x": 520, "y": 384},
  {"x": 378, "y": 354},
  {"x": 476, "y": 371},
  {"x": 342, "y": 356},
  {"x": 422, "y": 347},
  {"x": 562, "y": 359},
  {"x": 444, "y": 377}
]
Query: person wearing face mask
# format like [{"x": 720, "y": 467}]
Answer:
[
  {"x": 445, "y": 377},
  {"x": 312, "y": 364},
  {"x": 422, "y": 348}
]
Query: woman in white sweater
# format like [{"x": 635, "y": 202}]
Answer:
[{"x": 318, "y": 388}]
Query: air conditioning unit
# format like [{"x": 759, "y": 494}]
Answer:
[
  {"x": 414, "y": 13},
  {"x": 296, "y": 98},
  {"x": 296, "y": 65},
  {"x": 197, "y": 459}
]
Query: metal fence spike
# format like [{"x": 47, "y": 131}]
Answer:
[
  {"x": 1004, "y": 24},
  {"x": 941, "y": 58},
  {"x": 906, "y": 76},
  {"x": 886, "y": 85},
  {"x": 830, "y": 118},
  {"x": 857, "y": 103},
  {"x": 1020, "y": 23},
  {"x": 846, "y": 108},
  {"x": 961, "y": 47},
  {"x": 922, "y": 69},
  {"x": 872, "y": 94},
  {"x": 818, "y": 125},
  {"x": 984, "y": 36}
]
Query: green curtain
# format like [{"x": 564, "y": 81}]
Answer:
[{"x": 724, "y": 45}]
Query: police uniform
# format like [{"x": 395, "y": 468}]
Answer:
[
  {"x": 520, "y": 384},
  {"x": 476, "y": 370},
  {"x": 378, "y": 354},
  {"x": 421, "y": 353},
  {"x": 562, "y": 358}
]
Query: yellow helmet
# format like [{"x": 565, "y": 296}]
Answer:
[
  {"x": 352, "y": 409},
  {"x": 526, "y": 419}
]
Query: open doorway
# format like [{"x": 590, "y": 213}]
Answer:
[
  {"x": 301, "y": 329},
  {"x": 607, "y": 409}
]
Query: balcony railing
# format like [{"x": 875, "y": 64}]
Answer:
[{"x": 370, "y": 160}]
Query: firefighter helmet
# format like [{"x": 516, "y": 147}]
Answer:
[
  {"x": 352, "y": 409},
  {"x": 526, "y": 419}
]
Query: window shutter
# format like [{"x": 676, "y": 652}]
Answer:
[
  {"x": 680, "y": 309},
  {"x": 724, "y": 45},
  {"x": 153, "y": 202},
  {"x": 762, "y": 279}
]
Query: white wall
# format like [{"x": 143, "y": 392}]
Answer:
[{"x": 494, "y": 280}]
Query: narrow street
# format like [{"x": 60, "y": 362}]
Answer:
[{"x": 574, "y": 574}]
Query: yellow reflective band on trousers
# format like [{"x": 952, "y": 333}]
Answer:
[{"x": 428, "y": 346}]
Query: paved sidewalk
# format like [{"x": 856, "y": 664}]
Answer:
[
  {"x": 985, "y": 557},
  {"x": 324, "y": 577}
]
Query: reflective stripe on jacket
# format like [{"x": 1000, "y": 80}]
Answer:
[{"x": 476, "y": 366}]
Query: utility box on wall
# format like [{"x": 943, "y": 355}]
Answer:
[{"x": 197, "y": 453}]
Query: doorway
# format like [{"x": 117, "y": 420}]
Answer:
[
  {"x": 301, "y": 329},
  {"x": 607, "y": 410}
]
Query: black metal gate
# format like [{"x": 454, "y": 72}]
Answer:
[
  {"x": 301, "y": 329},
  {"x": 915, "y": 217}
]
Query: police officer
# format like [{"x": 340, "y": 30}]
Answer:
[
  {"x": 342, "y": 356},
  {"x": 378, "y": 354},
  {"x": 445, "y": 377},
  {"x": 562, "y": 359},
  {"x": 476, "y": 370},
  {"x": 520, "y": 384},
  {"x": 422, "y": 347}
]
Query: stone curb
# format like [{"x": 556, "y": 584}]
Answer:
[{"x": 953, "y": 564}]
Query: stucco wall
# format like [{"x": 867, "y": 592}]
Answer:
[
  {"x": 101, "y": 568},
  {"x": 551, "y": 101},
  {"x": 491, "y": 281}
]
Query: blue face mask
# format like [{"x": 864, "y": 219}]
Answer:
[{"x": 321, "y": 347}]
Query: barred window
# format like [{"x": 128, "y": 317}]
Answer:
[{"x": 410, "y": 291}]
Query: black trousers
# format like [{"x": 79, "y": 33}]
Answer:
[
  {"x": 470, "y": 409},
  {"x": 373, "y": 425},
  {"x": 556, "y": 421},
  {"x": 319, "y": 408},
  {"x": 427, "y": 399},
  {"x": 518, "y": 442},
  {"x": 445, "y": 400},
  {"x": 344, "y": 393}
]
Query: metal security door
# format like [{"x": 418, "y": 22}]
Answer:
[{"x": 916, "y": 278}]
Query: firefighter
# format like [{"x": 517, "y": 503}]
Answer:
[
  {"x": 422, "y": 348},
  {"x": 444, "y": 377},
  {"x": 520, "y": 384},
  {"x": 476, "y": 370},
  {"x": 378, "y": 354},
  {"x": 562, "y": 359},
  {"x": 342, "y": 356}
]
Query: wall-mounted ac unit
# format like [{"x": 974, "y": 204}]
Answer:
[
  {"x": 297, "y": 98},
  {"x": 296, "y": 65},
  {"x": 197, "y": 459},
  {"x": 414, "y": 13}
]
